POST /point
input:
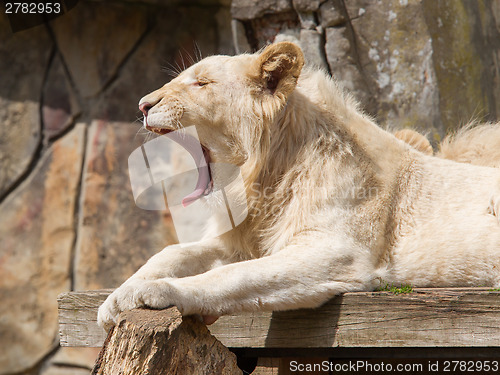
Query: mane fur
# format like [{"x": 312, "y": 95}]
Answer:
[
  {"x": 474, "y": 144},
  {"x": 286, "y": 189}
]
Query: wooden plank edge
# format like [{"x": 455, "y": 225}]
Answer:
[{"x": 453, "y": 317}]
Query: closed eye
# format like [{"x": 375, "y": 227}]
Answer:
[{"x": 202, "y": 82}]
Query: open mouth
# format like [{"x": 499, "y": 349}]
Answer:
[
  {"x": 201, "y": 156},
  {"x": 160, "y": 131}
]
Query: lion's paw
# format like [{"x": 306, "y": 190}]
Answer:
[{"x": 133, "y": 294}]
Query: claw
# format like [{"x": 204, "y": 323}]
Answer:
[{"x": 209, "y": 319}]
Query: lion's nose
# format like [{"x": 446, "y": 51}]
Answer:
[{"x": 145, "y": 107}]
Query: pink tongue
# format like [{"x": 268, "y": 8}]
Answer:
[
  {"x": 192, "y": 145},
  {"x": 201, "y": 186}
]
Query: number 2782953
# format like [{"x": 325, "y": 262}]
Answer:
[{"x": 32, "y": 8}]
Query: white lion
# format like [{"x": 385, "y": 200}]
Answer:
[{"x": 347, "y": 204}]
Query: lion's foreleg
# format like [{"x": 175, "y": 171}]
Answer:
[
  {"x": 184, "y": 260},
  {"x": 296, "y": 277},
  {"x": 173, "y": 262}
]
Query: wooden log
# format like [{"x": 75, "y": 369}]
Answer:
[
  {"x": 163, "y": 342},
  {"x": 461, "y": 317}
]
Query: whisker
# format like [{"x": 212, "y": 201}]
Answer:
[
  {"x": 189, "y": 57},
  {"x": 174, "y": 68},
  {"x": 171, "y": 72},
  {"x": 148, "y": 137},
  {"x": 183, "y": 62},
  {"x": 139, "y": 132},
  {"x": 178, "y": 67},
  {"x": 171, "y": 69},
  {"x": 197, "y": 52},
  {"x": 179, "y": 126}
]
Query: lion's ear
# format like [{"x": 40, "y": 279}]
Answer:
[{"x": 279, "y": 66}]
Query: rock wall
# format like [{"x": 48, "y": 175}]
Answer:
[
  {"x": 68, "y": 108},
  {"x": 68, "y": 105},
  {"x": 432, "y": 65}
]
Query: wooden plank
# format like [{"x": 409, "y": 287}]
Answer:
[
  {"x": 425, "y": 318},
  {"x": 267, "y": 366},
  {"x": 78, "y": 318}
]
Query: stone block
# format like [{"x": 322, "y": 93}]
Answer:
[
  {"x": 306, "y": 5},
  {"x": 37, "y": 227},
  {"x": 95, "y": 38},
  {"x": 59, "y": 103},
  {"x": 23, "y": 60},
  {"x": 276, "y": 27},
  {"x": 307, "y": 20},
  {"x": 466, "y": 59},
  {"x": 394, "y": 53},
  {"x": 330, "y": 14},
  {"x": 177, "y": 39},
  {"x": 240, "y": 40},
  {"x": 341, "y": 57},
  {"x": 312, "y": 44},
  {"x": 251, "y": 9}
]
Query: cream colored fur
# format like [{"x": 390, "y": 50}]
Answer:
[
  {"x": 336, "y": 203},
  {"x": 416, "y": 140},
  {"x": 478, "y": 145}
]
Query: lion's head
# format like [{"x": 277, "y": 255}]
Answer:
[{"x": 230, "y": 100}]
